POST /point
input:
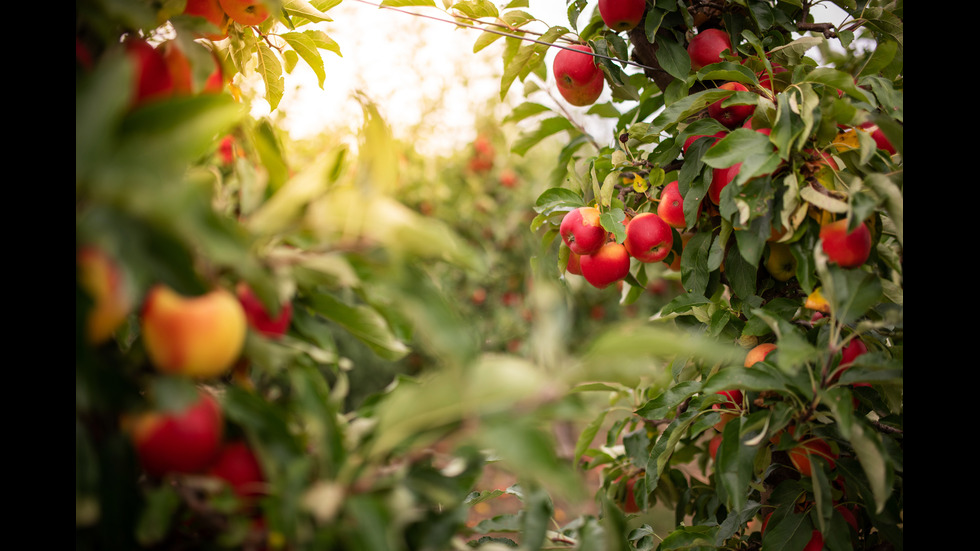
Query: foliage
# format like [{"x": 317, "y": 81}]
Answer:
[{"x": 436, "y": 337}]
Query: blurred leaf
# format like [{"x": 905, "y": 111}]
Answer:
[
  {"x": 361, "y": 321},
  {"x": 305, "y": 45},
  {"x": 271, "y": 71}
]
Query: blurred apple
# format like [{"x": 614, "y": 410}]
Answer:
[
  {"x": 198, "y": 336},
  {"x": 100, "y": 276},
  {"x": 211, "y": 11},
  {"x": 245, "y": 12},
  {"x": 758, "y": 353},
  {"x": 733, "y": 401},
  {"x": 258, "y": 316},
  {"x": 846, "y": 249},
  {"x": 237, "y": 465},
  {"x": 781, "y": 264},
  {"x": 800, "y": 455},
  {"x": 183, "y": 441},
  {"x": 152, "y": 78}
]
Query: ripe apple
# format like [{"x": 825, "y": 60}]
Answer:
[
  {"x": 713, "y": 446},
  {"x": 581, "y": 230},
  {"x": 879, "y": 137},
  {"x": 622, "y": 15},
  {"x": 211, "y": 11},
  {"x": 236, "y": 464},
  {"x": 849, "y": 353},
  {"x": 574, "y": 265},
  {"x": 152, "y": 79},
  {"x": 764, "y": 80},
  {"x": 579, "y": 79},
  {"x": 178, "y": 442},
  {"x": 259, "y": 318},
  {"x": 691, "y": 139},
  {"x": 732, "y": 115},
  {"x": 179, "y": 67},
  {"x": 781, "y": 263},
  {"x": 707, "y": 47},
  {"x": 671, "y": 206},
  {"x": 648, "y": 238},
  {"x": 611, "y": 263},
  {"x": 848, "y": 250},
  {"x": 198, "y": 336},
  {"x": 508, "y": 178},
  {"x": 733, "y": 400},
  {"x": 800, "y": 455},
  {"x": 758, "y": 353},
  {"x": 721, "y": 177},
  {"x": 100, "y": 276},
  {"x": 629, "y": 500},
  {"x": 245, "y": 12}
]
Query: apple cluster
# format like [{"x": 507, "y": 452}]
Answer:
[{"x": 596, "y": 255}]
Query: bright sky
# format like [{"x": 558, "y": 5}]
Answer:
[{"x": 422, "y": 73}]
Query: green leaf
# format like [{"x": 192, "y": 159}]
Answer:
[
  {"x": 363, "y": 322},
  {"x": 271, "y": 70},
  {"x": 305, "y": 45}
]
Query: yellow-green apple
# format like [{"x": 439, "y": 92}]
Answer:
[
  {"x": 758, "y": 353},
  {"x": 781, "y": 264},
  {"x": 245, "y": 12},
  {"x": 732, "y": 115},
  {"x": 198, "y": 336},
  {"x": 236, "y": 464},
  {"x": 611, "y": 263},
  {"x": 733, "y": 401},
  {"x": 259, "y": 317},
  {"x": 800, "y": 454},
  {"x": 211, "y": 11},
  {"x": 648, "y": 238},
  {"x": 577, "y": 76},
  {"x": 707, "y": 47},
  {"x": 100, "y": 276},
  {"x": 581, "y": 230},
  {"x": 151, "y": 76},
  {"x": 184, "y": 441},
  {"x": 721, "y": 177},
  {"x": 846, "y": 249},
  {"x": 671, "y": 206},
  {"x": 621, "y": 15}
]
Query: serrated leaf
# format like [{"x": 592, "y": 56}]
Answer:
[{"x": 271, "y": 70}]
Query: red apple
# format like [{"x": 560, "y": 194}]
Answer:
[
  {"x": 691, "y": 139},
  {"x": 211, "y": 11},
  {"x": 800, "y": 455},
  {"x": 259, "y": 317},
  {"x": 675, "y": 264},
  {"x": 763, "y": 76},
  {"x": 611, "y": 263},
  {"x": 879, "y": 137},
  {"x": 629, "y": 501},
  {"x": 508, "y": 178},
  {"x": 179, "y": 67},
  {"x": 622, "y": 15},
  {"x": 579, "y": 79},
  {"x": 671, "y": 206},
  {"x": 707, "y": 47},
  {"x": 648, "y": 238},
  {"x": 246, "y": 12},
  {"x": 574, "y": 265},
  {"x": 237, "y": 465},
  {"x": 178, "y": 442},
  {"x": 713, "y": 446},
  {"x": 721, "y": 177},
  {"x": 848, "y": 250},
  {"x": 849, "y": 353},
  {"x": 581, "y": 230},
  {"x": 152, "y": 78},
  {"x": 733, "y": 400},
  {"x": 732, "y": 115}
]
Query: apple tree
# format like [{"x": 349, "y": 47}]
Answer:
[{"x": 775, "y": 141}]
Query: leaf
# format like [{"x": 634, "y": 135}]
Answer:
[
  {"x": 407, "y": 3},
  {"x": 546, "y": 128},
  {"x": 271, "y": 71},
  {"x": 306, "y": 10},
  {"x": 305, "y": 45},
  {"x": 363, "y": 322}
]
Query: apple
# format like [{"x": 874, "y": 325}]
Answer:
[
  {"x": 732, "y": 115},
  {"x": 581, "y": 230},
  {"x": 675, "y": 264},
  {"x": 758, "y": 353},
  {"x": 691, "y": 139},
  {"x": 508, "y": 178},
  {"x": 259, "y": 318},
  {"x": 198, "y": 336},
  {"x": 237, "y": 465},
  {"x": 849, "y": 353},
  {"x": 879, "y": 137},
  {"x": 671, "y": 206},
  {"x": 183, "y": 441},
  {"x": 622, "y": 15},
  {"x": 152, "y": 78},
  {"x": 574, "y": 265},
  {"x": 227, "y": 149},
  {"x": 611, "y": 263},
  {"x": 629, "y": 500},
  {"x": 648, "y": 238},
  {"x": 179, "y": 67},
  {"x": 245, "y": 12},
  {"x": 100, "y": 276},
  {"x": 707, "y": 47},
  {"x": 721, "y": 177},
  {"x": 846, "y": 249},
  {"x": 733, "y": 400},
  {"x": 781, "y": 263},
  {"x": 579, "y": 79},
  {"x": 713, "y": 446},
  {"x": 765, "y": 81},
  {"x": 800, "y": 455},
  {"x": 816, "y": 538},
  {"x": 212, "y": 11}
]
